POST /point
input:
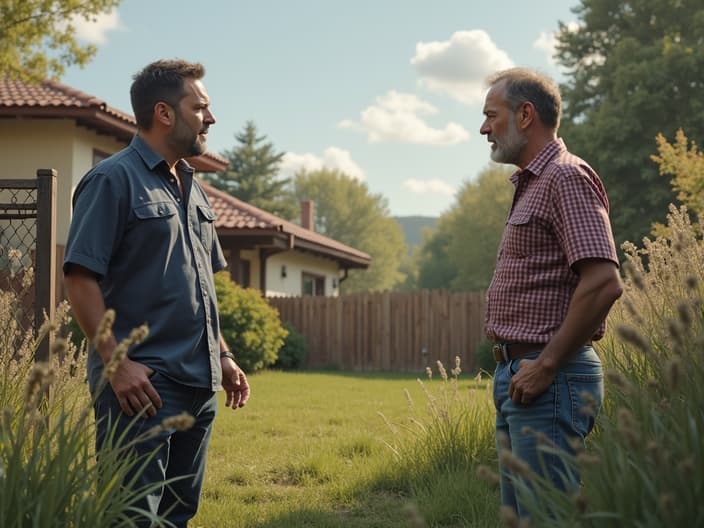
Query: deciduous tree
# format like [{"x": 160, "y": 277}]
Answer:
[
  {"x": 686, "y": 167},
  {"x": 346, "y": 211},
  {"x": 633, "y": 71},
  {"x": 461, "y": 254},
  {"x": 38, "y": 37}
]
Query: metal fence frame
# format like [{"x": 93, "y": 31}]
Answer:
[{"x": 43, "y": 209}]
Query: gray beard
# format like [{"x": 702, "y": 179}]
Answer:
[{"x": 509, "y": 149}]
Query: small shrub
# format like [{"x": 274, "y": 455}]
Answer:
[
  {"x": 292, "y": 354},
  {"x": 249, "y": 324}
]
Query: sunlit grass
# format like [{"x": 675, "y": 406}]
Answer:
[{"x": 310, "y": 449}]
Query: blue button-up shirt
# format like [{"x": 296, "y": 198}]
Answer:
[{"x": 154, "y": 252}]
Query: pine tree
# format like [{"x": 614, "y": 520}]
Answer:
[{"x": 252, "y": 175}]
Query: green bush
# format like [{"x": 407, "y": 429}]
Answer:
[
  {"x": 249, "y": 324},
  {"x": 293, "y": 354}
]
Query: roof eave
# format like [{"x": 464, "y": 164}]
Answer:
[
  {"x": 207, "y": 163},
  {"x": 105, "y": 123},
  {"x": 346, "y": 260},
  {"x": 91, "y": 117}
]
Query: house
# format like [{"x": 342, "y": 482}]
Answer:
[
  {"x": 51, "y": 125},
  {"x": 279, "y": 257}
]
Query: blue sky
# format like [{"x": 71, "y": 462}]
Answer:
[{"x": 389, "y": 91}]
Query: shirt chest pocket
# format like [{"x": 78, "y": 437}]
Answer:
[
  {"x": 206, "y": 226},
  {"x": 156, "y": 219},
  {"x": 526, "y": 234}
]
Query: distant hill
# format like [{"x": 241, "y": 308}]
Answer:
[{"x": 412, "y": 227}]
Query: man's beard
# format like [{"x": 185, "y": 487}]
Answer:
[
  {"x": 197, "y": 147},
  {"x": 185, "y": 142},
  {"x": 508, "y": 148}
]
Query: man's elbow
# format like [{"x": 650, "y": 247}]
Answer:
[
  {"x": 76, "y": 278},
  {"x": 614, "y": 289}
]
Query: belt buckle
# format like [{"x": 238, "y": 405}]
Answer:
[{"x": 500, "y": 351}]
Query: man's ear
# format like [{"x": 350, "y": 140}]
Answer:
[
  {"x": 526, "y": 115},
  {"x": 164, "y": 114}
]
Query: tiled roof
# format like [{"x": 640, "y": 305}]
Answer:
[
  {"x": 234, "y": 214},
  {"x": 17, "y": 93},
  {"x": 53, "y": 99}
]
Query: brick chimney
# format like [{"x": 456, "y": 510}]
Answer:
[{"x": 308, "y": 214}]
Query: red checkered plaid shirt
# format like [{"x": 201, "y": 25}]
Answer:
[{"x": 559, "y": 215}]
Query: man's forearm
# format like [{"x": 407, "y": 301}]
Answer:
[
  {"x": 88, "y": 307},
  {"x": 599, "y": 287}
]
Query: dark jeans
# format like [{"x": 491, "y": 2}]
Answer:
[
  {"x": 178, "y": 453},
  {"x": 557, "y": 413}
]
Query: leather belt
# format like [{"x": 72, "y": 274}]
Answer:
[{"x": 507, "y": 351}]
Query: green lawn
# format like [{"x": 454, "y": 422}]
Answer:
[{"x": 309, "y": 450}]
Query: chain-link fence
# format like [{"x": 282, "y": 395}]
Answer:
[{"x": 27, "y": 255}]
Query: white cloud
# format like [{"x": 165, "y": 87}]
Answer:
[
  {"x": 547, "y": 42},
  {"x": 95, "y": 31},
  {"x": 434, "y": 186},
  {"x": 333, "y": 158},
  {"x": 394, "y": 117},
  {"x": 460, "y": 65}
]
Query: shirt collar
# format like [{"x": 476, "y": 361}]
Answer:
[
  {"x": 538, "y": 164},
  {"x": 152, "y": 159}
]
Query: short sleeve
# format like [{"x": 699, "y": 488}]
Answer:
[
  {"x": 218, "y": 258},
  {"x": 98, "y": 221},
  {"x": 581, "y": 219}
]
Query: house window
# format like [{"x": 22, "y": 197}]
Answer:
[
  {"x": 98, "y": 156},
  {"x": 312, "y": 285}
]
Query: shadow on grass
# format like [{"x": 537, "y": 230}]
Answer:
[
  {"x": 381, "y": 375},
  {"x": 457, "y": 499}
]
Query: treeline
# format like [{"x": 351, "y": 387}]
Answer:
[
  {"x": 345, "y": 209},
  {"x": 634, "y": 94},
  {"x": 635, "y": 76}
]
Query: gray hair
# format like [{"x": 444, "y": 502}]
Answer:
[{"x": 526, "y": 85}]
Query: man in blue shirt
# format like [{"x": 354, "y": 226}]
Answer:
[{"x": 142, "y": 242}]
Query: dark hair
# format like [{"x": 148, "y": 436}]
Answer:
[
  {"x": 160, "y": 81},
  {"x": 526, "y": 85}
]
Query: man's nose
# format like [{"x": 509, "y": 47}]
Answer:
[
  {"x": 209, "y": 118},
  {"x": 484, "y": 129}
]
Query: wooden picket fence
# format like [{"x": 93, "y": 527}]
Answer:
[{"x": 388, "y": 331}]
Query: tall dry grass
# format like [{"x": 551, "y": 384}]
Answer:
[
  {"x": 438, "y": 450},
  {"x": 49, "y": 474},
  {"x": 644, "y": 465}
]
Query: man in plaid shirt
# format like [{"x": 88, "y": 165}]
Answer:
[{"x": 556, "y": 278}]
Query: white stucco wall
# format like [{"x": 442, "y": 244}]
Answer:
[
  {"x": 30, "y": 144},
  {"x": 296, "y": 264}
]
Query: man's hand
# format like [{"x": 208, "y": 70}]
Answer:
[
  {"x": 134, "y": 391},
  {"x": 531, "y": 380},
  {"x": 235, "y": 383}
]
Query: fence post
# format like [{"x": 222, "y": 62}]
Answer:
[{"x": 45, "y": 265}]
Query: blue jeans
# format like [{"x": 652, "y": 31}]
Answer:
[
  {"x": 178, "y": 453},
  {"x": 558, "y": 413}
]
